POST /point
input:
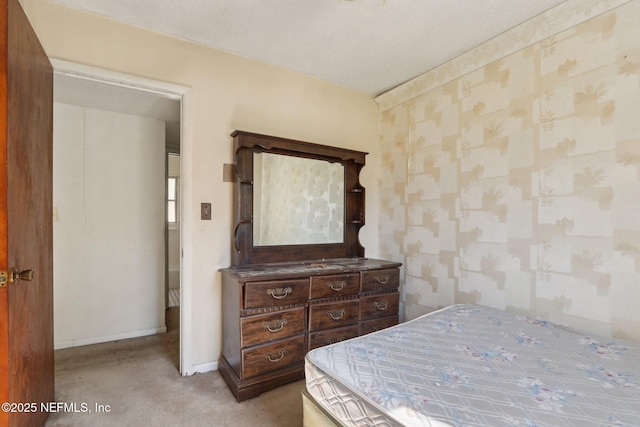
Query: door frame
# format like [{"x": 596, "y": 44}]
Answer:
[{"x": 184, "y": 95}]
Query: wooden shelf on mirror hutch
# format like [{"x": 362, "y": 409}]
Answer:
[{"x": 297, "y": 282}]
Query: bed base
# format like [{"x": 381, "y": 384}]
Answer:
[{"x": 313, "y": 415}]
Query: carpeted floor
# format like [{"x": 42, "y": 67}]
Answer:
[{"x": 136, "y": 382}]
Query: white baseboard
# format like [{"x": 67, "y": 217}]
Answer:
[
  {"x": 203, "y": 367},
  {"x": 107, "y": 338}
]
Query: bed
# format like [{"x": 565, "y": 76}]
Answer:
[{"x": 467, "y": 365}]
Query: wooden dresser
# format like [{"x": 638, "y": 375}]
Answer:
[
  {"x": 272, "y": 314},
  {"x": 295, "y": 202}
]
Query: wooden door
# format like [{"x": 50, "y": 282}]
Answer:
[{"x": 26, "y": 235}]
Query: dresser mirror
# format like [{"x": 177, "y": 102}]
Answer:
[
  {"x": 310, "y": 211},
  {"x": 295, "y": 200}
]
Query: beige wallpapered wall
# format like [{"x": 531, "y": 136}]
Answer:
[
  {"x": 517, "y": 185},
  {"x": 228, "y": 92}
]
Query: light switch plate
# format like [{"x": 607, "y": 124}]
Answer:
[{"x": 205, "y": 211}]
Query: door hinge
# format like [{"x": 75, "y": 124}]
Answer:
[{"x": 4, "y": 279}]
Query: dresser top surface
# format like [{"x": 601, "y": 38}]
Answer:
[{"x": 308, "y": 268}]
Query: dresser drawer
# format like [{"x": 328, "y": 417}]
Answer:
[
  {"x": 273, "y": 326},
  {"x": 378, "y": 324},
  {"x": 332, "y": 336},
  {"x": 277, "y": 292},
  {"x": 380, "y": 305},
  {"x": 333, "y": 315},
  {"x": 335, "y": 285},
  {"x": 380, "y": 279},
  {"x": 273, "y": 356}
]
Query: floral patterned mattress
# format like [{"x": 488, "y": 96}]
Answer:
[{"x": 468, "y": 365}]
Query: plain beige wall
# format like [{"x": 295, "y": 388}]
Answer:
[{"x": 229, "y": 92}]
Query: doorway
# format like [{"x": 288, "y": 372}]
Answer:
[
  {"x": 102, "y": 109},
  {"x": 173, "y": 222}
]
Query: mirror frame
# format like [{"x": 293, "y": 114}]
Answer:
[{"x": 244, "y": 253}]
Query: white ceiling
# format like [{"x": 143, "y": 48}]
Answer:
[{"x": 367, "y": 45}]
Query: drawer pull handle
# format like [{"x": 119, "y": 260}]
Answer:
[
  {"x": 382, "y": 279},
  {"x": 335, "y": 340},
  {"x": 275, "y": 326},
  {"x": 276, "y": 356},
  {"x": 336, "y": 314},
  {"x": 279, "y": 293},
  {"x": 381, "y": 305},
  {"x": 337, "y": 286}
]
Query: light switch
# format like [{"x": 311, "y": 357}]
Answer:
[
  {"x": 55, "y": 214},
  {"x": 205, "y": 211}
]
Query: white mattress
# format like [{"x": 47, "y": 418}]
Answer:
[{"x": 467, "y": 365}]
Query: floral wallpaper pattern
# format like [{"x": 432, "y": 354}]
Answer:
[{"x": 517, "y": 185}]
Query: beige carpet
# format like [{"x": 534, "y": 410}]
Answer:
[{"x": 139, "y": 381}]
